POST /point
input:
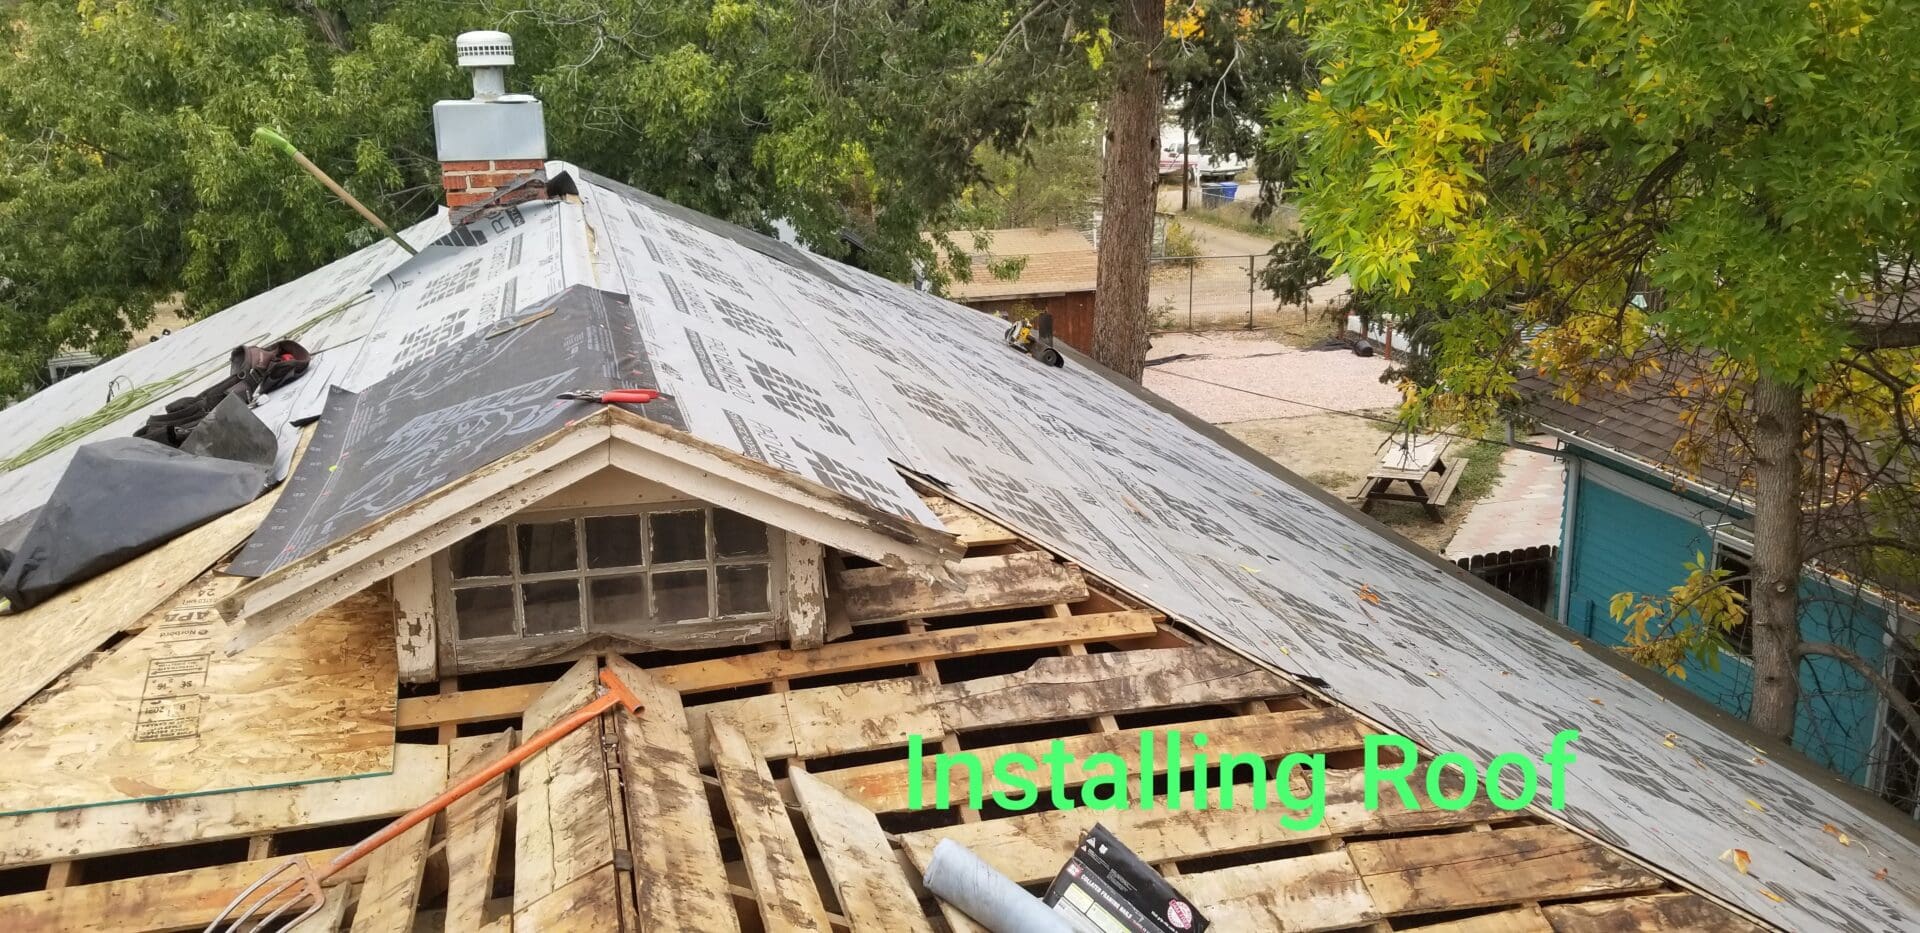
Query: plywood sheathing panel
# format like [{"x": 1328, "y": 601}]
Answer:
[
  {"x": 473, "y": 826},
  {"x": 562, "y": 831},
  {"x": 677, "y": 868},
  {"x": 872, "y": 889},
  {"x": 49, "y": 639},
  {"x": 1683, "y": 911},
  {"x": 167, "y": 712},
  {"x": 419, "y": 772},
  {"x": 1319, "y": 891},
  {"x": 776, "y": 866},
  {"x": 1007, "y": 581}
]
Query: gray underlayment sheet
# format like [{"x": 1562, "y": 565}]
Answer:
[{"x": 830, "y": 373}]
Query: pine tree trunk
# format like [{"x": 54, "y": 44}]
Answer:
[
  {"x": 1128, "y": 194},
  {"x": 1780, "y": 414}
]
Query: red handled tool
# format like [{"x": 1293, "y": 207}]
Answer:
[{"x": 612, "y": 396}]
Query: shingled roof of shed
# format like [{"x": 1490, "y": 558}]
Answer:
[{"x": 859, "y": 384}]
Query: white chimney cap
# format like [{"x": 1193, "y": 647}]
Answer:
[{"x": 485, "y": 48}]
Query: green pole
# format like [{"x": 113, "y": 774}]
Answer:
[{"x": 280, "y": 142}]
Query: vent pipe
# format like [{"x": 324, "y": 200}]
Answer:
[
  {"x": 493, "y": 147},
  {"x": 488, "y": 54}
]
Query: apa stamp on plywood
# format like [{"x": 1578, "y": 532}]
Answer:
[{"x": 174, "y": 695}]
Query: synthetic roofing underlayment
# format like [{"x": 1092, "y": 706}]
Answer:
[{"x": 831, "y": 373}]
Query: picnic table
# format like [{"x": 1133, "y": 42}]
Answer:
[{"x": 1418, "y": 462}]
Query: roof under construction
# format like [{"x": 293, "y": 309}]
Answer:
[{"x": 1020, "y": 554}]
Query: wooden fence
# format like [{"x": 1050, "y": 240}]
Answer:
[{"x": 1525, "y": 574}]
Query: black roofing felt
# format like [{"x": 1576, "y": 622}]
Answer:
[{"x": 478, "y": 399}]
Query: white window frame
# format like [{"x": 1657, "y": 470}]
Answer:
[{"x": 515, "y": 579}]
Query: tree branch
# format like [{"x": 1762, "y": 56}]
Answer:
[{"x": 1896, "y": 699}]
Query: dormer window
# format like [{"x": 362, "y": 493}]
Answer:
[{"x": 561, "y": 577}]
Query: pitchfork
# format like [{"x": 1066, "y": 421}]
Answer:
[{"x": 310, "y": 896}]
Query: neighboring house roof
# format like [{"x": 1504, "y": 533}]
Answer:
[
  {"x": 848, "y": 381},
  {"x": 1058, "y": 260},
  {"x": 1643, "y": 423}
]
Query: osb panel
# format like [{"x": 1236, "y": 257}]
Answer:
[{"x": 168, "y": 713}]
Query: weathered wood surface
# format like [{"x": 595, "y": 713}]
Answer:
[
  {"x": 972, "y": 528},
  {"x": 1009, "y": 581},
  {"x": 1027, "y": 847},
  {"x": 473, "y": 825},
  {"x": 867, "y": 878},
  {"x": 180, "y": 900},
  {"x": 1518, "y": 920},
  {"x": 884, "y": 787},
  {"x": 677, "y": 868},
  {"x": 1504, "y": 866},
  {"x": 885, "y": 713},
  {"x": 588, "y": 904},
  {"x": 1304, "y": 893},
  {"x": 762, "y": 667},
  {"x": 776, "y": 866},
  {"x": 506, "y": 654},
  {"x": 806, "y": 603},
  {"x": 416, "y": 627},
  {"x": 49, "y": 639},
  {"x": 1678, "y": 911},
  {"x": 420, "y": 771},
  {"x": 167, "y": 713},
  {"x": 391, "y": 891},
  {"x": 563, "y": 811}
]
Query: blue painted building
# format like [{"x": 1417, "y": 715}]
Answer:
[{"x": 1631, "y": 525}]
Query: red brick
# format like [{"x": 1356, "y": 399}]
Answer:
[
  {"x": 519, "y": 165},
  {"x": 495, "y": 179},
  {"x": 464, "y": 198},
  {"x": 481, "y": 166},
  {"x": 454, "y": 182}
]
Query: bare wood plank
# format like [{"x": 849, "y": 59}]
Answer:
[
  {"x": 1027, "y": 847},
  {"x": 561, "y": 831},
  {"x": 1008, "y": 581},
  {"x": 776, "y": 866},
  {"x": 887, "y": 713},
  {"x": 35, "y": 838},
  {"x": 473, "y": 830},
  {"x": 676, "y": 856},
  {"x": 587, "y": 904},
  {"x": 868, "y": 880},
  {"x": 806, "y": 592},
  {"x": 884, "y": 786},
  {"x": 1503, "y": 866},
  {"x": 328, "y": 918},
  {"x": 1521, "y": 920},
  {"x": 767, "y": 666},
  {"x": 180, "y": 900},
  {"x": 972, "y": 528},
  {"x": 1295, "y": 895},
  {"x": 415, "y": 624},
  {"x": 49, "y": 639},
  {"x": 1681, "y": 911},
  {"x": 392, "y": 889}
]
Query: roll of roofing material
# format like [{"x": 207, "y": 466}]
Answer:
[{"x": 960, "y": 878}]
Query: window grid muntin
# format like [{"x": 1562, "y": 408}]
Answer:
[{"x": 583, "y": 574}]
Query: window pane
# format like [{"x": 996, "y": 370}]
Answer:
[
  {"x": 679, "y": 595},
  {"x": 484, "y": 611},
  {"x": 679, "y": 536},
  {"x": 735, "y": 535},
  {"x": 613, "y": 541},
  {"x": 743, "y": 589},
  {"x": 546, "y": 547},
  {"x": 552, "y": 606},
  {"x": 619, "y": 601},
  {"x": 482, "y": 554}
]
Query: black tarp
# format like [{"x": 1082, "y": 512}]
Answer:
[
  {"x": 118, "y": 499},
  {"x": 472, "y": 402}
]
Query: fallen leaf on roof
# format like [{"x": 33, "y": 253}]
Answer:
[
  {"x": 1367, "y": 594},
  {"x": 1757, "y": 805},
  {"x": 1596, "y": 701},
  {"x": 1249, "y": 569},
  {"x": 1880, "y": 875},
  {"x": 1667, "y": 739},
  {"x": 1772, "y": 896},
  {"x": 1738, "y": 857},
  {"x": 1835, "y": 832}
]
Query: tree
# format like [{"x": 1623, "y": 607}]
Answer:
[
  {"x": 128, "y": 174},
  {"x": 1728, "y": 178}
]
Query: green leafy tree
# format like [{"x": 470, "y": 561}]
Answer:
[
  {"x": 128, "y": 173},
  {"x": 1728, "y": 180}
]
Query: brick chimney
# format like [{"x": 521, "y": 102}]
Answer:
[{"x": 492, "y": 148}]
